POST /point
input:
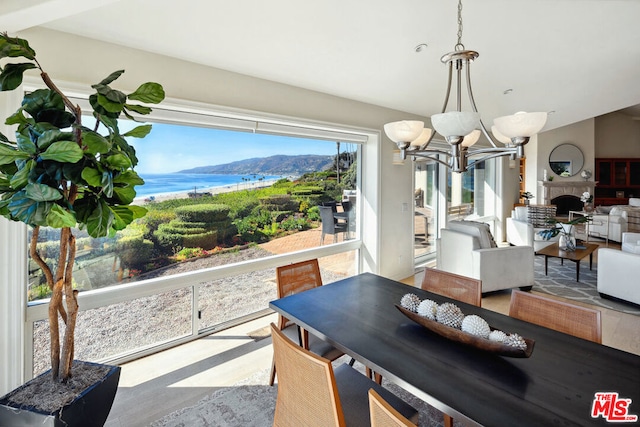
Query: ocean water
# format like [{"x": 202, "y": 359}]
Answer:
[{"x": 155, "y": 184}]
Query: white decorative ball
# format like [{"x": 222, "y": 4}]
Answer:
[
  {"x": 515, "y": 340},
  {"x": 449, "y": 314},
  {"x": 497, "y": 336},
  {"x": 428, "y": 308},
  {"x": 410, "y": 302},
  {"x": 476, "y": 325}
]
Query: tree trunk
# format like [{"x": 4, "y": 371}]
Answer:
[{"x": 71, "y": 299}]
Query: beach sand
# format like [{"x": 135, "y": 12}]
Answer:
[{"x": 253, "y": 185}]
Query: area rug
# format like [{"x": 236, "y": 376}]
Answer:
[
  {"x": 251, "y": 403},
  {"x": 561, "y": 281}
]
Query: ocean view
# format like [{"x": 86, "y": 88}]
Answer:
[{"x": 157, "y": 184}]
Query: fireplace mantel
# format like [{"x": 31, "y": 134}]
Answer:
[{"x": 553, "y": 189}]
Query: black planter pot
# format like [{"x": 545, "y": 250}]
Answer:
[{"x": 89, "y": 409}]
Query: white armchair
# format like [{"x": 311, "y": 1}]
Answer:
[
  {"x": 618, "y": 270},
  {"x": 467, "y": 248},
  {"x": 521, "y": 232}
]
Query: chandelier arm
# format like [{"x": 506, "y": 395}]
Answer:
[
  {"x": 496, "y": 151},
  {"x": 491, "y": 156},
  {"x": 425, "y": 156}
]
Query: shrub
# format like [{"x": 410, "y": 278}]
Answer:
[
  {"x": 187, "y": 253},
  {"x": 203, "y": 213},
  {"x": 313, "y": 214},
  {"x": 207, "y": 240}
]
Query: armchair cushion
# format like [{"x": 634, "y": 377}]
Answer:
[
  {"x": 634, "y": 201},
  {"x": 631, "y": 243}
]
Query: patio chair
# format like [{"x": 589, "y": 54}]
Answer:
[
  {"x": 292, "y": 279},
  {"x": 383, "y": 414},
  {"x": 581, "y": 322},
  {"x": 312, "y": 393},
  {"x": 330, "y": 224},
  {"x": 455, "y": 286}
]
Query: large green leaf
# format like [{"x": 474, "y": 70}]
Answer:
[
  {"x": 14, "y": 47},
  {"x": 125, "y": 194},
  {"x": 139, "y": 131},
  {"x": 11, "y": 76},
  {"x": 95, "y": 142},
  {"x": 52, "y": 135},
  {"x": 119, "y": 161},
  {"x": 25, "y": 144},
  {"x": 138, "y": 211},
  {"x": 128, "y": 177},
  {"x": 140, "y": 109},
  {"x": 150, "y": 92},
  {"x": 42, "y": 192},
  {"x": 110, "y": 105},
  {"x": 100, "y": 112},
  {"x": 27, "y": 210},
  {"x": 122, "y": 217},
  {"x": 100, "y": 220},
  {"x": 92, "y": 176},
  {"x": 18, "y": 118},
  {"x": 110, "y": 78},
  {"x": 21, "y": 177},
  {"x": 107, "y": 183},
  {"x": 42, "y": 99},
  {"x": 59, "y": 217},
  {"x": 63, "y": 151},
  {"x": 8, "y": 154}
]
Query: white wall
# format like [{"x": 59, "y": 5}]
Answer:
[{"x": 617, "y": 135}]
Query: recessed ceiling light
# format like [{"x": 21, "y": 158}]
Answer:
[
  {"x": 507, "y": 91},
  {"x": 551, "y": 112},
  {"x": 420, "y": 47}
]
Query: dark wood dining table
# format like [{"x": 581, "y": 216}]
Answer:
[{"x": 556, "y": 386}]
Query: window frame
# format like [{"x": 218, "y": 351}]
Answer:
[{"x": 233, "y": 119}]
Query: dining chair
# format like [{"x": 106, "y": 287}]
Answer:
[
  {"x": 292, "y": 279},
  {"x": 330, "y": 225},
  {"x": 561, "y": 316},
  {"x": 455, "y": 286},
  {"x": 383, "y": 414},
  {"x": 312, "y": 393}
]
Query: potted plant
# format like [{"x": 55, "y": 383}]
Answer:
[
  {"x": 567, "y": 239},
  {"x": 526, "y": 196},
  {"x": 61, "y": 174},
  {"x": 587, "y": 199}
]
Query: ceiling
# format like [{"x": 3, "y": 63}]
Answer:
[{"x": 578, "y": 58}]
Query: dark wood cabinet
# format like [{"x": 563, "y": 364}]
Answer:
[{"x": 617, "y": 180}]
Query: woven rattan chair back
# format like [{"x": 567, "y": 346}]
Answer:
[
  {"x": 571, "y": 319},
  {"x": 295, "y": 278},
  {"x": 460, "y": 288},
  {"x": 307, "y": 391},
  {"x": 383, "y": 414}
]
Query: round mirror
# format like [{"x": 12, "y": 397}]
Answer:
[{"x": 566, "y": 160}]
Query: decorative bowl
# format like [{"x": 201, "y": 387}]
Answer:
[{"x": 471, "y": 340}]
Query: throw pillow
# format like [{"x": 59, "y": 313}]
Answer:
[{"x": 634, "y": 201}]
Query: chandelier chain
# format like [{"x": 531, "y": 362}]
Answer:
[{"x": 459, "y": 46}]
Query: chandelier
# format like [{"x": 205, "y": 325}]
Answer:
[{"x": 459, "y": 128}]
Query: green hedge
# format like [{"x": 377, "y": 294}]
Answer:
[{"x": 203, "y": 213}]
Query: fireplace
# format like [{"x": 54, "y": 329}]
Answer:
[
  {"x": 566, "y": 203},
  {"x": 553, "y": 189}
]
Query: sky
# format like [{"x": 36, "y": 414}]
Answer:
[{"x": 171, "y": 148}]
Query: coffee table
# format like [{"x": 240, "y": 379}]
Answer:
[{"x": 554, "y": 251}]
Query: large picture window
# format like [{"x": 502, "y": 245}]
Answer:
[{"x": 224, "y": 207}]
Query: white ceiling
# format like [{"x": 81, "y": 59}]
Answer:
[{"x": 579, "y": 58}]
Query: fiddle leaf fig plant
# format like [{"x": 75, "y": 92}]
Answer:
[{"x": 59, "y": 173}]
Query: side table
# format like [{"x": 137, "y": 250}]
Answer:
[{"x": 593, "y": 218}]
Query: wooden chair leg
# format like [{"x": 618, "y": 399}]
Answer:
[
  {"x": 448, "y": 421},
  {"x": 272, "y": 376}
]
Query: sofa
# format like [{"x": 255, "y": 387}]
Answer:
[
  {"x": 467, "y": 248},
  {"x": 622, "y": 218},
  {"x": 618, "y": 270},
  {"x": 522, "y": 230}
]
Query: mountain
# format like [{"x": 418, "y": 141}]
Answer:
[{"x": 273, "y": 165}]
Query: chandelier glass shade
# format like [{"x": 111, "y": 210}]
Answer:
[{"x": 462, "y": 129}]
